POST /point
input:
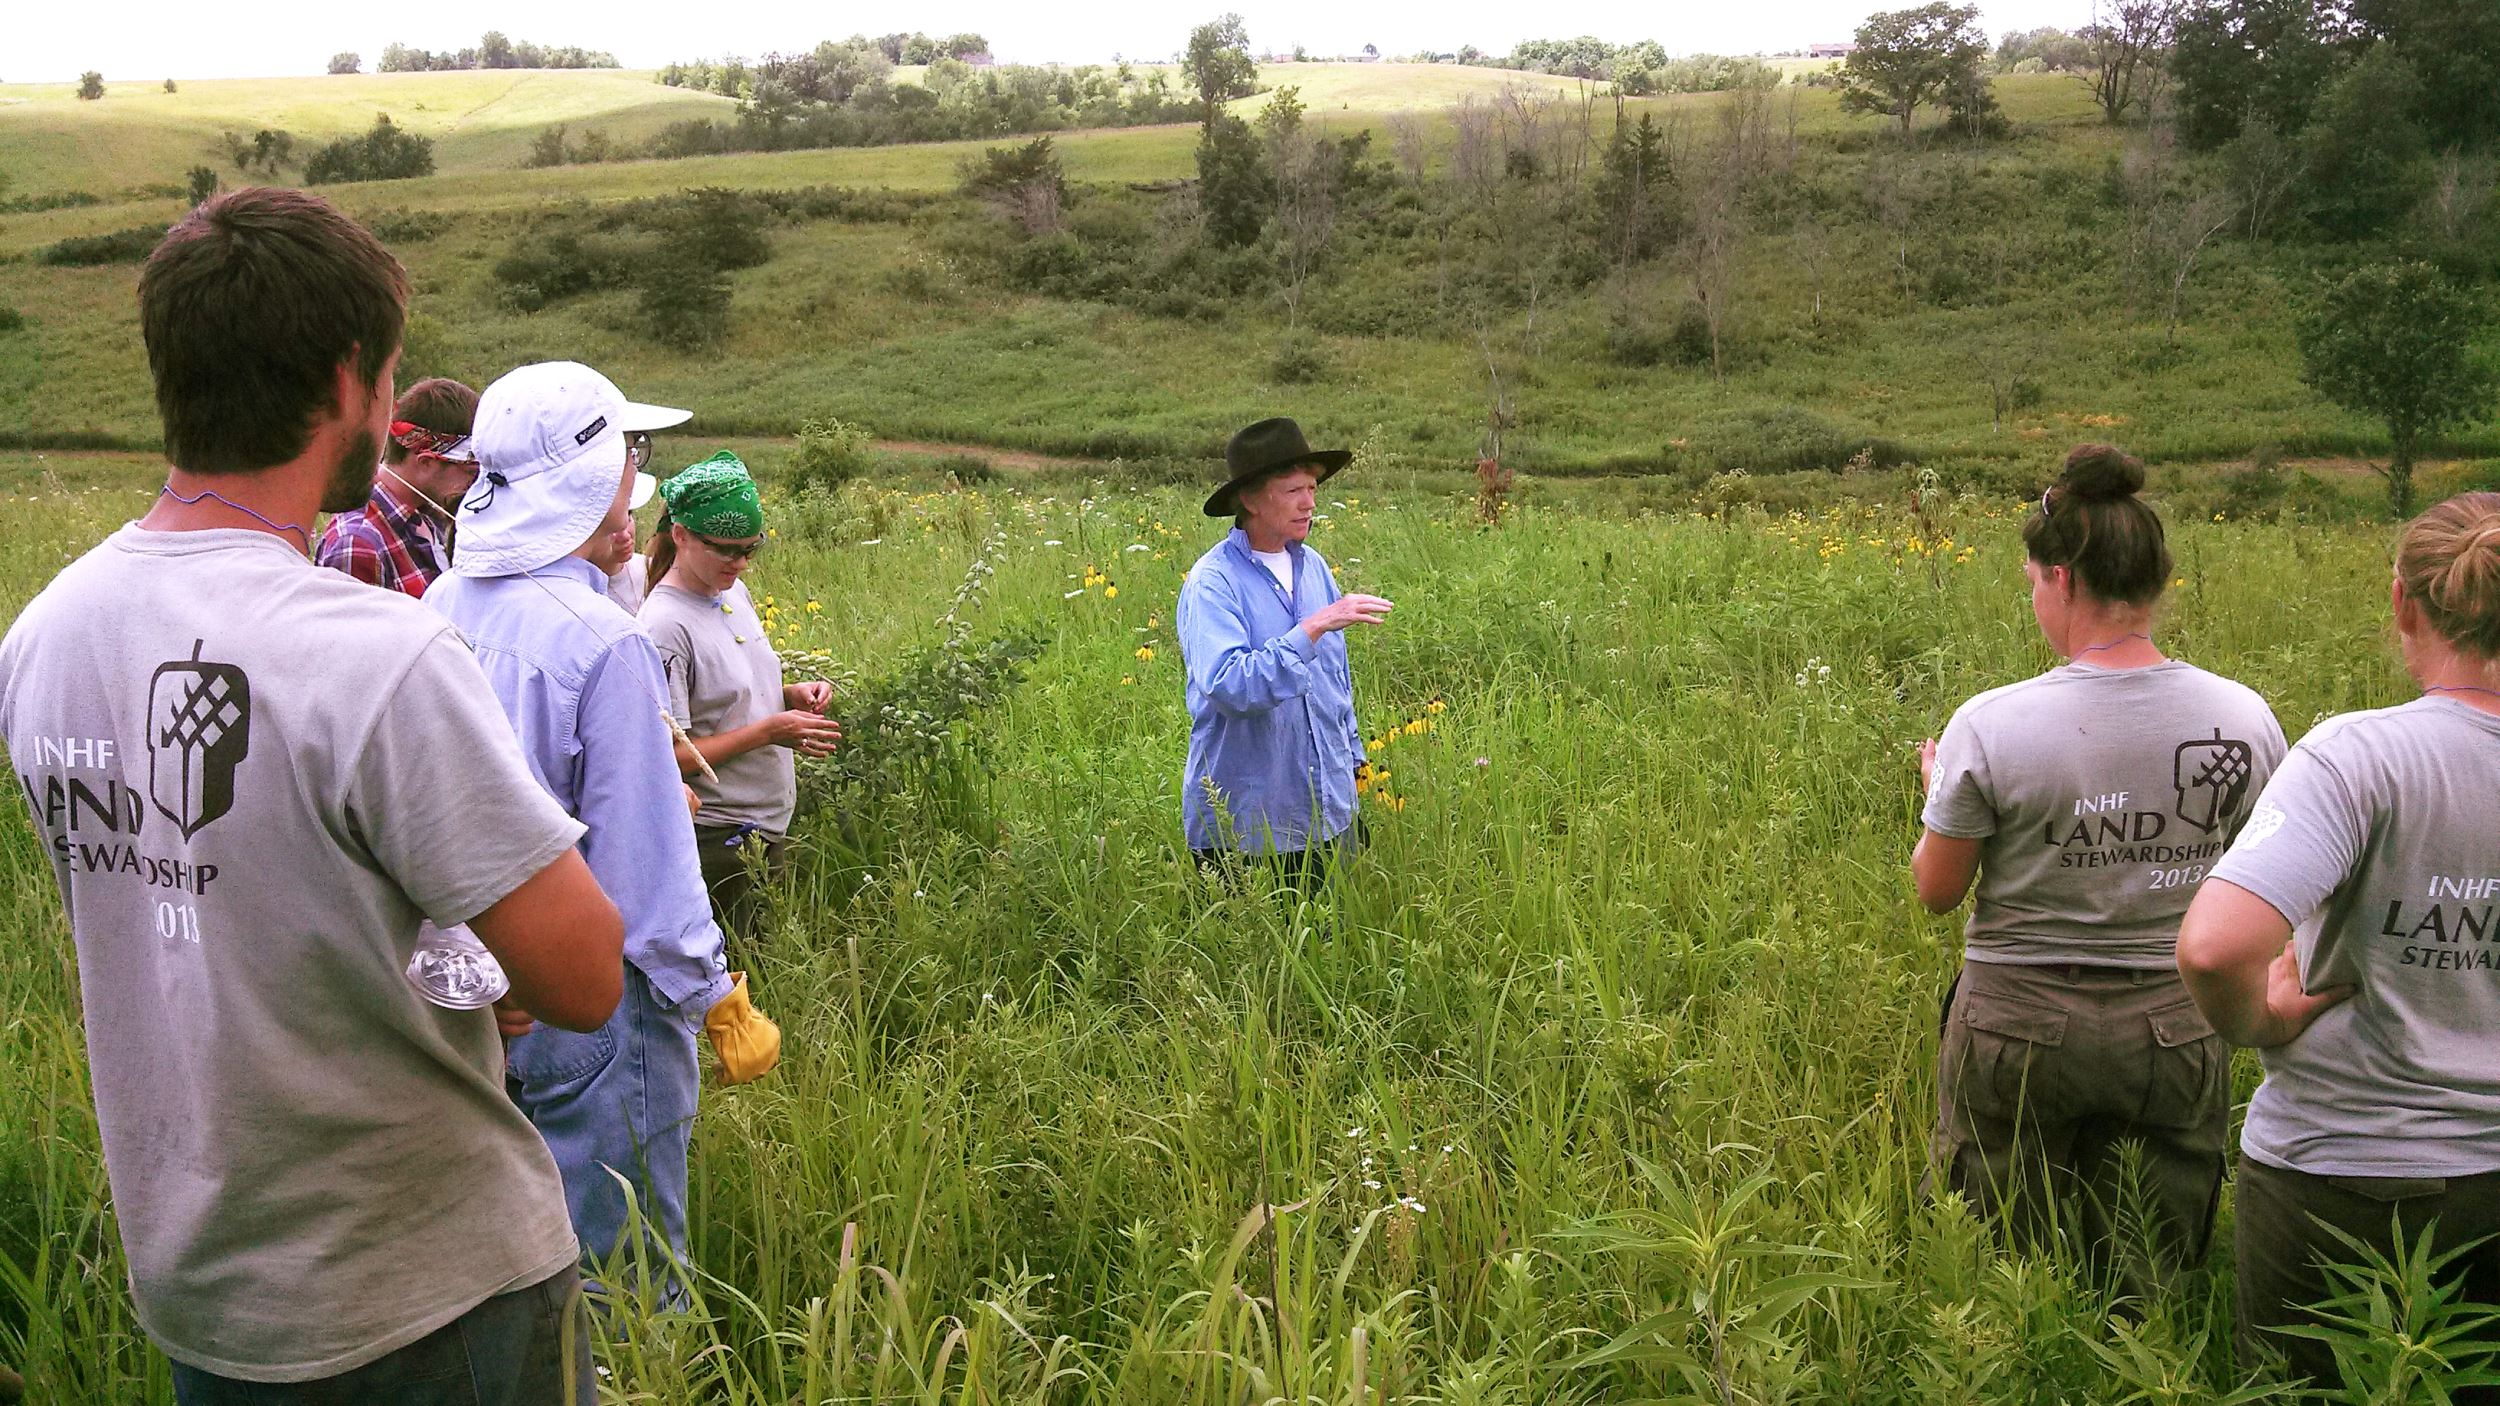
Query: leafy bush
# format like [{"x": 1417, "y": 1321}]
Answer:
[
  {"x": 1784, "y": 439},
  {"x": 684, "y": 301},
  {"x": 10, "y": 318},
  {"x": 124, "y": 246},
  {"x": 715, "y": 227},
  {"x": 1298, "y": 361},
  {"x": 968, "y": 470},
  {"x": 203, "y": 184},
  {"x": 384, "y": 153},
  {"x": 50, "y": 200},
  {"x": 545, "y": 266},
  {"x": 406, "y": 226},
  {"x": 831, "y": 453}
]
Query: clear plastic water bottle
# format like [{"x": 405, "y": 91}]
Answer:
[{"x": 454, "y": 970}]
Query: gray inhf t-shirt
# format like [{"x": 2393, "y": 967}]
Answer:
[
  {"x": 2380, "y": 843},
  {"x": 2101, "y": 797},
  {"x": 253, "y": 777},
  {"x": 722, "y": 676}
]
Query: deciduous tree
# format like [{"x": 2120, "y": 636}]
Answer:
[
  {"x": 1909, "y": 59},
  {"x": 2395, "y": 342}
]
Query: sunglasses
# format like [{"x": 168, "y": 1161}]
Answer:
[
  {"x": 638, "y": 451},
  {"x": 734, "y": 551},
  {"x": 417, "y": 439}
]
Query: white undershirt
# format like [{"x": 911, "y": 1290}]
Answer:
[{"x": 1279, "y": 565}]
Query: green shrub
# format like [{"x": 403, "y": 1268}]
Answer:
[
  {"x": 124, "y": 246},
  {"x": 969, "y": 470},
  {"x": 547, "y": 265},
  {"x": 831, "y": 453},
  {"x": 1783, "y": 439},
  {"x": 721, "y": 229},
  {"x": 385, "y": 152},
  {"x": 11, "y": 319},
  {"x": 1298, "y": 361},
  {"x": 406, "y": 226},
  {"x": 684, "y": 301}
]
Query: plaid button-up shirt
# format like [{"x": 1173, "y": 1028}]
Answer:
[{"x": 382, "y": 545}]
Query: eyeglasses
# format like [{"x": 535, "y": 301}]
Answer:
[
  {"x": 637, "y": 451},
  {"x": 734, "y": 551}
]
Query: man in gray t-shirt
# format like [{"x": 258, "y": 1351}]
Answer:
[
  {"x": 253, "y": 778},
  {"x": 2092, "y": 846}
]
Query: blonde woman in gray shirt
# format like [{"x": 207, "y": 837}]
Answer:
[
  {"x": 2352, "y": 934},
  {"x": 2087, "y": 803}
]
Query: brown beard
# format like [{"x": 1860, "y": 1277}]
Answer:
[{"x": 351, "y": 478}]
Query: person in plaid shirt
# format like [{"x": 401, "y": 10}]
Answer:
[{"x": 401, "y": 538}]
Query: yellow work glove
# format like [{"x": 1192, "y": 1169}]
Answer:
[{"x": 747, "y": 1041}]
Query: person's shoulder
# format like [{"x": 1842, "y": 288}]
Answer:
[
  {"x": 1208, "y": 572},
  {"x": 1981, "y": 708},
  {"x": 2349, "y": 736}
]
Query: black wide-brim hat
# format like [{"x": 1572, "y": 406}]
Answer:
[{"x": 1264, "y": 448}]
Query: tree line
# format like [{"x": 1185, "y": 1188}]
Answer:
[{"x": 493, "y": 50}]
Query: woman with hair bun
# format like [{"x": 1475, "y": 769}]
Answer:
[
  {"x": 2087, "y": 802},
  {"x": 2353, "y": 935}
]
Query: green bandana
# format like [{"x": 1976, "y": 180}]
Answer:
[{"x": 715, "y": 498}]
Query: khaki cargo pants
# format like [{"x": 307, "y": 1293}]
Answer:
[{"x": 2045, "y": 1073}]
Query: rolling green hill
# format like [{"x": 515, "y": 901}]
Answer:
[
  {"x": 139, "y": 134},
  {"x": 2001, "y": 318}
]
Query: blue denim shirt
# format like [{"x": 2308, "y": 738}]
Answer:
[
  {"x": 1271, "y": 714},
  {"x": 584, "y": 689}
]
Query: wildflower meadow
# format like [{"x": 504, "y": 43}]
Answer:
[{"x": 1604, "y": 1073}]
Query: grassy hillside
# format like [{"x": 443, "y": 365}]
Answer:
[
  {"x": 139, "y": 134},
  {"x": 1998, "y": 325}
]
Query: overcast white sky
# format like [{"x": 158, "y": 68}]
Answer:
[{"x": 45, "y": 40}]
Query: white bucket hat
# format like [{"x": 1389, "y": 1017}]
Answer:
[
  {"x": 550, "y": 445},
  {"x": 644, "y": 419}
]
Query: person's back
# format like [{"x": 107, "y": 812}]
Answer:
[
  {"x": 239, "y": 785},
  {"x": 2352, "y": 934},
  {"x": 2100, "y": 797},
  {"x": 254, "y": 778},
  {"x": 2403, "y": 1079},
  {"x": 2088, "y": 802}
]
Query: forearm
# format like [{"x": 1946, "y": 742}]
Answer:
[
  {"x": 2233, "y": 999},
  {"x": 1254, "y": 678},
  {"x": 722, "y": 746},
  {"x": 1943, "y": 867}
]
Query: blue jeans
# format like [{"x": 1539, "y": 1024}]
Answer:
[
  {"x": 621, "y": 1097},
  {"x": 530, "y": 1347}
]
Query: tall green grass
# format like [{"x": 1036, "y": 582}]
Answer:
[{"x": 1603, "y": 1074}]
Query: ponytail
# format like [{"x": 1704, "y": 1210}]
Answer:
[{"x": 663, "y": 556}]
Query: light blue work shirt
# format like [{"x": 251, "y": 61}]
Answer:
[
  {"x": 585, "y": 690},
  {"x": 1271, "y": 713}
]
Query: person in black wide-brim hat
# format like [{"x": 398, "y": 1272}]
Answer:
[{"x": 1273, "y": 744}]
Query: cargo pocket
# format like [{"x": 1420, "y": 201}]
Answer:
[
  {"x": 548, "y": 1056},
  {"x": 2003, "y": 1059},
  {"x": 2191, "y": 1076}
]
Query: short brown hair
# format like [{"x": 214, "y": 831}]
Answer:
[
  {"x": 2449, "y": 562},
  {"x": 248, "y": 307},
  {"x": 2092, "y": 523},
  {"x": 437, "y": 403}
]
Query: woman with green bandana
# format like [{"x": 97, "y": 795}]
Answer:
[{"x": 725, "y": 684}]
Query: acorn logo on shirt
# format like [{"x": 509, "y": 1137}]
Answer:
[
  {"x": 199, "y": 728},
  {"x": 2211, "y": 777}
]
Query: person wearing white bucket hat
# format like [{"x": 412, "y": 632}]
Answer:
[{"x": 586, "y": 692}]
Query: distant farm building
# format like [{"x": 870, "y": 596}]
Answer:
[{"x": 1830, "y": 51}]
